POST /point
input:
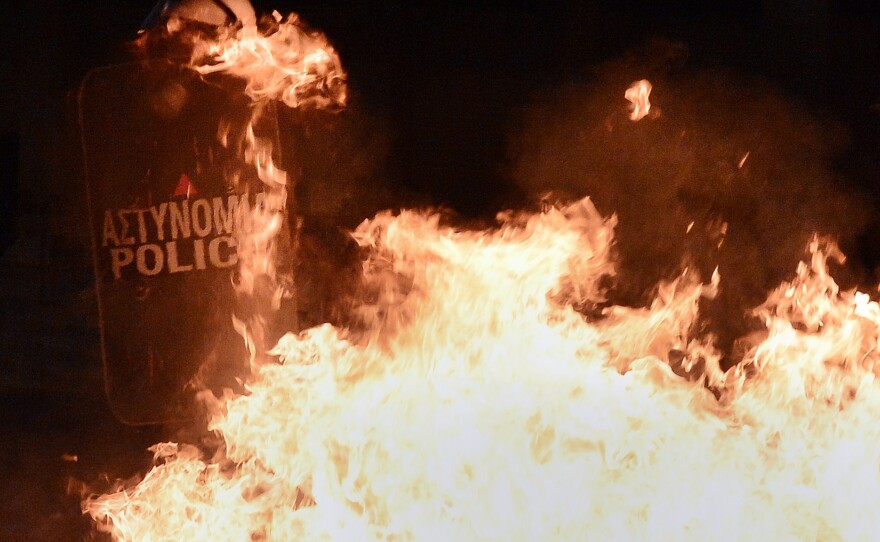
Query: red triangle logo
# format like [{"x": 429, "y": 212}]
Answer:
[{"x": 185, "y": 187}]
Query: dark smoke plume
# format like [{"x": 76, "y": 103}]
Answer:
[
  {"x": 339, "y": 163},
  {"x": 751, "y": 218}
]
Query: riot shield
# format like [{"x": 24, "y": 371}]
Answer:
[{"x": 165, "y": 178}]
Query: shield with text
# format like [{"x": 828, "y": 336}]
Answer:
[{"x": 166, "y": 183}]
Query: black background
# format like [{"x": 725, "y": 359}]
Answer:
[{"x": 444, "y": 84}]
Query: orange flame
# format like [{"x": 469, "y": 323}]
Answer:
[
  {"x": 478, "y": 404},
  {"x": 638, "y": 94},
  {"x": 280, "y": 61},
  {"x": 285, "y": 62}
]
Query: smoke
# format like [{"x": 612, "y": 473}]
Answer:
[
  {"x": 340, "y": 166},
  {"x": 730, "y": 174}
]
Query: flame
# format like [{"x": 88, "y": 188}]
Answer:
[
  {"x": 279, "y": 61},
  {"x": 637, "y": 94},
  {"x": 479, "y": 405},
  {"x": 477, "y": 401},
  {"x": 285, "y": 62}
]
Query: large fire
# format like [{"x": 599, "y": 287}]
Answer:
[{"x": 478, "y": 401}]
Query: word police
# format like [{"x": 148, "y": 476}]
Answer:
[{"x": 174, "y": 236}]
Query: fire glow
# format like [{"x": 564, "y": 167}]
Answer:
[{"x": 477, "y": 403}]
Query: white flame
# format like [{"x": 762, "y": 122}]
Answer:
[{"x": 637, "y": 94}]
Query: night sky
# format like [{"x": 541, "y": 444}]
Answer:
[
  {"x": 440, "y": 95},
  {"x": 448, "y": 80}
]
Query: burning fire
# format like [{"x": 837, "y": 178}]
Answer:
[
  {"x": 637, "y": 94},
  {"x": 479, "y": 404},
  {"x": 279, "y": 61},
  {"x": 284, "y": 62}
]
